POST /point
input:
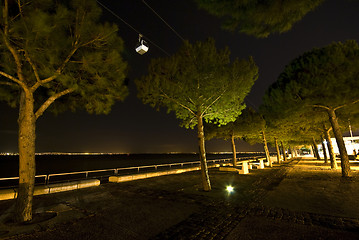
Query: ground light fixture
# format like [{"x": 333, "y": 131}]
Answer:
[{"x": 229, "y": 189}]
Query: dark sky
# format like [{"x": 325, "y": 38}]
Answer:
[{"x": 134, "y": 127}]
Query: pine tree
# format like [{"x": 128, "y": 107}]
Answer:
[
  {"x": 55, "y": 55},
  {"x": 199, "y": 83}
]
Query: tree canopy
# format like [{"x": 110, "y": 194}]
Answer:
[
  {"x": 199, "y": 80},
  {"x": 259, "y": 18},
  {"x": 59, "y": 46},
  {"x": 199, "y": 83},
  {"x": 248, "y": 125},
  {"x": 323, "y": 79}
]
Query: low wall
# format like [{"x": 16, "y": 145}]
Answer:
[
  {"x": 6, "y": 194},
  {"x": 126, "y": 178}
]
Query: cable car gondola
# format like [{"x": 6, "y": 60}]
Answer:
[{"x": 142, "y": 46}]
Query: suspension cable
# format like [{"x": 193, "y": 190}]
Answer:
[
  {"x": 163, "y": 20},
  {"x": 114, "y": 14}
]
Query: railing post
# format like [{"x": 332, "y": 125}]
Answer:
[
  {"x": 87, "y": 174},
  {"x": 115, "y": 171}
]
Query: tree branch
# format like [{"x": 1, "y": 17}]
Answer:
[
  {"x": 15, "y": 55},
  {"x": 98, "y": 38},
  {"x": 346, "y": 104},
  {"x": 11, "y": 77},
  {"x": 192, "y": 120},
  {"x": 215, "y": 100},
  {"x": 320, "y": 106},
  {"x": 32, "y": 66},
  {"x": 8, "y": 83},
  {"x": 190, "y": 99},
  {"x": 174, "y": 100},
  {"x": 50, "y": 100},
  {"x": 57, "y": 72}
]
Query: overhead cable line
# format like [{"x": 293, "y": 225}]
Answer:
[
  {"x": 163, "y": 20},
  {"x": 114, "y": 14}
]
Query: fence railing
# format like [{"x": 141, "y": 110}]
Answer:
[
  {"x": 102, "y": 173},
  {"x": 45, "y": 179}
]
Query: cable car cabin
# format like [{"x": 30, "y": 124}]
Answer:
[{"x": 142, "y": 47}]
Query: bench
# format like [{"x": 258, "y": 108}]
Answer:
[{"x": 246, "y": 165}]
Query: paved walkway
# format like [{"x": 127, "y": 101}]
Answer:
[{"x": 274, "y": 203}]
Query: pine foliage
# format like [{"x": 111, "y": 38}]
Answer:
[
  {"x": 259, "y": 18},
  {"x": 199, "y": 80},
  {"x": 65, "y": 41}
]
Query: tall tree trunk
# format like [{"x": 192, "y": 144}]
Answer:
[
  {"x": 324, "y": 152},
  {"x": 266, "y": 149},
  {"x": 312, "y": 151},
  {"x": 202, "y": 155},
  {"x": 315, "y": 147},
  {"x": 295, "y": 151},
  {"x": 26, "y": 143},
  {"x": 234, "y": 151},
  {"x": 277, "y": 148},
  {"x": 284, "y": 153},
  {"x": 339, "y": 138},
  {"x": 333, "y": 161}
]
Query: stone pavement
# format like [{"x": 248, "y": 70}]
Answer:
[
  {"x": 220, "y": 220},
  {"x": 174, "y": 207}
]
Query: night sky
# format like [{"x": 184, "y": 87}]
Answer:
[{"x": 133, "y": 127}]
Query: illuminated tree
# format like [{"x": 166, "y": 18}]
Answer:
[
  {"x": 247, "y": 124},
  {"x": 224, "y": 132},
  {"x": 199, "y": 83},
  {"x": 323, "y": 80},
  {"x": 55, "y": 55},
  {"x": 259, "y": 18}
]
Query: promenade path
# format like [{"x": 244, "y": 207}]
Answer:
[{"x": 299, "y": 199}]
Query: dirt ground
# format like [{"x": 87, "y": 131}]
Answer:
[{"x": 301, "y": 199}]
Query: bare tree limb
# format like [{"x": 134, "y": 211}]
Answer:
[
  {"x": 60, "y": 69},
  {"x": 174, "y": 100},
  {"x": 98, "y": 38},
  {"x": 50, "y": 100},
  {"x": 8, "y": 83},
  {"x": 5, "y": 35},
  {"x": 14, "y": 79},
  {"x": 320, "y": 106},
  {"x": 57, "y": 72},
  {"x": 214, "y": 101},
  {"x": 28, "y": 59},
  {"x": 344, "y": 105},
  {"x": 336, "y": 108},
  {"x": 190, "y": 99},
  {"x": 192, "y": 119}
]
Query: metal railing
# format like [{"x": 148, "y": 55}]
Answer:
[{"x": 70, "y": 176}]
